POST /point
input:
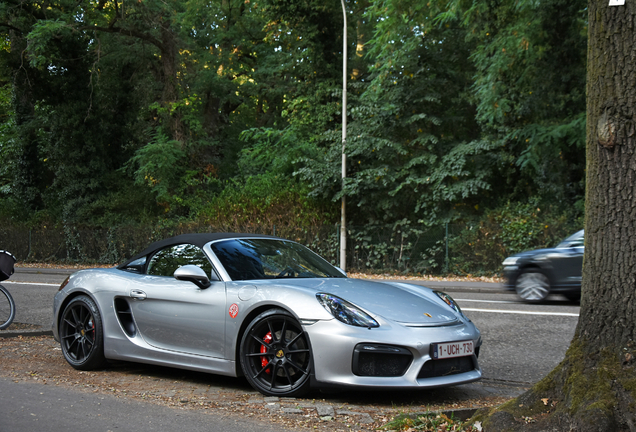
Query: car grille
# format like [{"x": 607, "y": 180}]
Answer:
[
  {"x": 380, "y": 360},
  {"x": 444, "y": 367}
]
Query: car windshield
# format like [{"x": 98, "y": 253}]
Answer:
[
  {"x": 248, "y": 259},
  {"x": 575, "y": 240}
]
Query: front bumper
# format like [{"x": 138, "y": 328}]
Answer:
[
  {"x": 334, "y": 345},
  {"x": 510, "y": 274}
]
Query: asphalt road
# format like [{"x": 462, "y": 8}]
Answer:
[
  {"x": 35, "y": 407},
  {"x": 522, "y": 342}
]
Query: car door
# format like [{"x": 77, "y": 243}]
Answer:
[
  {"x": 178, "y": 315},
  {"x": 568, "y": 267}
]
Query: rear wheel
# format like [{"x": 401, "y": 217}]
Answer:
[
  {"x": 81, "y": 334},
  {"x": 533, "y": 286},
  {"x": 275, "y": 354}
]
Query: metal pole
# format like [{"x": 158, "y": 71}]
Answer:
[
  {"x": 446, "y": 260},
  {"x": 343, "y": 218}
]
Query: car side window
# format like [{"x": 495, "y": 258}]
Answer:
[{"x": 166, "y": 261}]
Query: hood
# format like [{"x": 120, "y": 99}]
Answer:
[
  {"x": 534, "y": 252},
  {"x": 399, "y": 302}
]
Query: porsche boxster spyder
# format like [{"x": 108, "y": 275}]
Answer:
[{"x": 266, "y": 308}]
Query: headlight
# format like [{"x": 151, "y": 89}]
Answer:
[
  {"x": 510, "y": 261},
  {"x": 449, "y": 301},
  {"x": 345, "y": 312}
]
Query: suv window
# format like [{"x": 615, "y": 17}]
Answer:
[
  {"x": 166, "y": 261},
  {"x": 575, "y": 240}
]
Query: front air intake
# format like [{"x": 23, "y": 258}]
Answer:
[
  {"x": 380, "y": 360},
  {"x": 445, "y": 367}
]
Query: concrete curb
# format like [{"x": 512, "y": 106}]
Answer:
[
  {"x": 44, "y": 271},
  {"x": 24, "y": 333},
  {"x": 461, "y": 414}
]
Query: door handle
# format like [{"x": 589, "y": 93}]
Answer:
[{"x": 137, "y": 294}]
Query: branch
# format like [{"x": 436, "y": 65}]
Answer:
[
  {"x": 132, "y": 33},
  {"x": 10, "y": 27}
]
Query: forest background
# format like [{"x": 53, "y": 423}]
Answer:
[{"x": 123, "y": 122}]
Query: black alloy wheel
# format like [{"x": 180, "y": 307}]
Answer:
[
  {"x": 275, "y": 354},
  {"x": 81, "y": 334}
]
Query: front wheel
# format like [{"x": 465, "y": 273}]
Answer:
[
  {"x": 7, "y": 308},
  {"x": 533, "y": 286},
  {"x": 82, "y": 335},
  {"x": 275, "y": 354}
]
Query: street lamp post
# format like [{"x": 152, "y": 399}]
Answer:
[{"x": 343, "y": 214}]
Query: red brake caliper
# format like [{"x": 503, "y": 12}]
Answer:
[{"x": 267, "y": 339}]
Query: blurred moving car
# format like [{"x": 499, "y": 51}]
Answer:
[{"x": 538, "y": 273}]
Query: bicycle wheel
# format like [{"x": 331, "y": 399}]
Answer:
[{"x": 7, "y": 308}]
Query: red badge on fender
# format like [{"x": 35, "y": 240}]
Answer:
[{"x": 234, "y": 310}]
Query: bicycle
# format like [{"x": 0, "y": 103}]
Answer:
[{"x": 7, "y": 305}]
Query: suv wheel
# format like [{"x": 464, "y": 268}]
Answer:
[{"x": 532, "y": 286}]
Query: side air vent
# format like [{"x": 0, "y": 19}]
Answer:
[{"x": 124, "y": 315}]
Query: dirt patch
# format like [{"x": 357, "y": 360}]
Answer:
[{"x": 39, "y": 359}]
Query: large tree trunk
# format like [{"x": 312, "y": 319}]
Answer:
[
  {"x": 608, "y": 313},
  {"x": 594, "y": 388}
]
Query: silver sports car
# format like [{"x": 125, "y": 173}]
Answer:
[{"x": 266, "y": 308}]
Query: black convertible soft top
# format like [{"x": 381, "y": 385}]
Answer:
[{"x": 198, "y": 239}]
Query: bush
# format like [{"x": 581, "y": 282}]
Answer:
[{"x": 481, "y": 246}]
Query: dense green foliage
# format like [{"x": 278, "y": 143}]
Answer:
[{"x": 228, "y": 113}]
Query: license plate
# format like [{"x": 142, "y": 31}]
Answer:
[{"x": 452, "y": 349}]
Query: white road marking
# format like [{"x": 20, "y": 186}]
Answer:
[
  {"x": 30, "y": 283},
  {"x": 485, "y": 301},
  {"x": 521, "y": 312}
]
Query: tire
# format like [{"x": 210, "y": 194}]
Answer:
[
  {"x": 532, "y": 286},
  {"x": 275, "y": 355},
  {"x": 7, "y": 308},
  {"x": 82, "y": 334}
]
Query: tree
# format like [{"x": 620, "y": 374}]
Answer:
[
  {"x": 594, "y": 388},
  {"x": 529, "y": 90}
]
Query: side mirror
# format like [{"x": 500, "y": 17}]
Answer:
[{"x": 194, "y": 274}]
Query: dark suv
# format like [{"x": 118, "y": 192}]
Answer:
[{"x": 536, "y": 274}]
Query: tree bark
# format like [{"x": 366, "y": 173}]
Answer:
[
  {"x": 594, "y": 388},
  {"x": 608, "y": 312}
]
